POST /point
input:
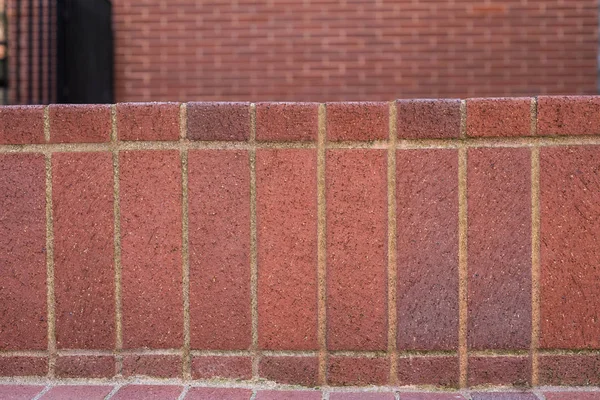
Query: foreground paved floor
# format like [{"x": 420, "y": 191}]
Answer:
[{"x": 178, "y": 392}]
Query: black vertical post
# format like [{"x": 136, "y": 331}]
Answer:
[
  {"x": 51, "y": 50},
  {"x": 18, "y": 53},
  {"x": 30, "y": 53},
  {"x": 60, "y": 51},
  {"x": 40, "y": 51}
]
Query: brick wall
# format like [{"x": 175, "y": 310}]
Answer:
[
  {"x": 417, "y": 242},
  {"x": 327, "y": 50}
]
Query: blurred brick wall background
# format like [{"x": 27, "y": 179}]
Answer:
[{"x": 326, "y": 50}]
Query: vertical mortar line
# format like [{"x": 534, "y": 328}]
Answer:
[
  {"x": 535, "y": 248},
  {"x": 47, "y": 124},
  {"x": 117, "y": 242},
  {"x": 392, "y": 272},
  {"x": 462, "y": 251},
  {"x": 321, "y": 246},
  {"x": 186, "y": 364},
  {"x": 50, "y": 298},
  {"x": 253, "y": 250}
]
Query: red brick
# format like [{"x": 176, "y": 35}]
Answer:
[
  {"x": 574, "y": 370},
  {"x": 77, "y": 392},
  {"x": 148, "y": 121},
  {"x": 79, "y": 123},
  {"x": 218, "y": 121},
  {"x": 431, "y": 396},
  {"x": 159, "y": 366},
  {"x": 219, "y": 249},
  {"x": 288, "y": 395},
  {"x": 357, "y": 121},
  {"x": 499, "y": 117},
  {"x": 579, "y": 395},
  {"x": 290, "y": 370},
  {"x": 286, "y": 186},
  {"x": 499, "y": 248},
  {"x": 23, "y": 252},
  {"x": 19, "y": 392},
  {"x": 568, "y": 115},
  {"x": 287, "y": 121},
  {"x": 507, "y": 371},
  {"x": 208, "y": 393},
  {"x": 427, "y": 242},
  {"x": 148, "y": 392},
  {"x": 570, "y": 229},
  {"x": 230, "y": 367},
  {"x": 82, "y": 201},
  {"x": 151, "y": 262},
  {"x": 438, "y": 371},
  {"x": 503, "y": 396},
  {"x": 356, "y": 250},
  {"x": 21, "y": 124},
  {"x": 357, "y": 371},
  {"x": 23, "y": 366},
  {"x": 361, "y": 396},
  {"x": 424, "y": 118},
  {"x": 85, "y": 367}
]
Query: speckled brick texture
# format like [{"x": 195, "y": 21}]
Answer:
[{"x": 269, "y": 248}]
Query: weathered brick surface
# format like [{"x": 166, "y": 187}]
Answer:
[
  {"x": 505, "y": 370},
  {"x": 23, "y": 314},
  {"x": 499, "y": 248},
  {"x": 431, "y": 396},
  {"x": 21, "y": 124},
  {"x": 212, "y": 367},
  {"x": 218, "y": 121},
  {"x": 287, "y": 121},
  {"x": 23, "y": 366},
  {"x": 82, "y": 200},
  {"x": 356, "y": 250},
  {"x": 428, "y": 118},
  {"x": 575, "y": 370},
  {"x": 290, "y": 370},
  {"x": 432, "y": 370},
  {"x": 77, "y": 392},
  {"x": 286, "y": 198},
  {"x": 357, "y": 371},
  {"x": 148, "y": 121},
  {"x": 288, "y": 395},
  {"x": 19, "y": 392},
  {"x": 85, "y": 367},
  {"x": 157, "y": 366},
  {"x": 503, "y": 396},
  {"x": 148, "y": 392},
  {"x": 499, "y": 117},
  {"x": 219, "y": 249},
  {"x": 361, "y": 395},
  {"x": 427, "y": 245},
  {"x": 79, "y": 123},
  {"x": 207, "y": 393},
  {"x": 357, "y": 121},
  {"x": 572, "y": 395},
  {"x": 570, "y": 229},
  {"x": 568, "y": 115},
  {"x": 151, "y": 262}
]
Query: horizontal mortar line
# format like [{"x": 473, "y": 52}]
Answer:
[
  {"x": 426, "y": 353},
  {"x": 402, "y": 144},
  {"x": 358, "y": 353},
  {"x": 498, "y": 353},
  {"x": 24, "y": 353},
  {"x": 569, "y": 352}
]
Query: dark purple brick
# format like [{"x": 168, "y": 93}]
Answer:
[
  {"x": 23, "y": 366},
  {"x": 287, "y": 121},
  {"x": 499, "y": 248},
  {"x": 148, "y": 121},
  {"x": 357, "y": 371},
  {"x": 427, "y": 243},
  {"x": 428, "y": 118},
  {"x": 21, "y": 124},
  {"x": 506, "y": 370},
  {"x": 438, "y": 371},
  {"x": 85, "y": 367},
  {"x": 573, "y": 370},
  {"x": 218, "y": 121},
  {"x": 79, "y": 123},
  {"x": 578, "y": 395},
  {"x": 23, "y": 313}
]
